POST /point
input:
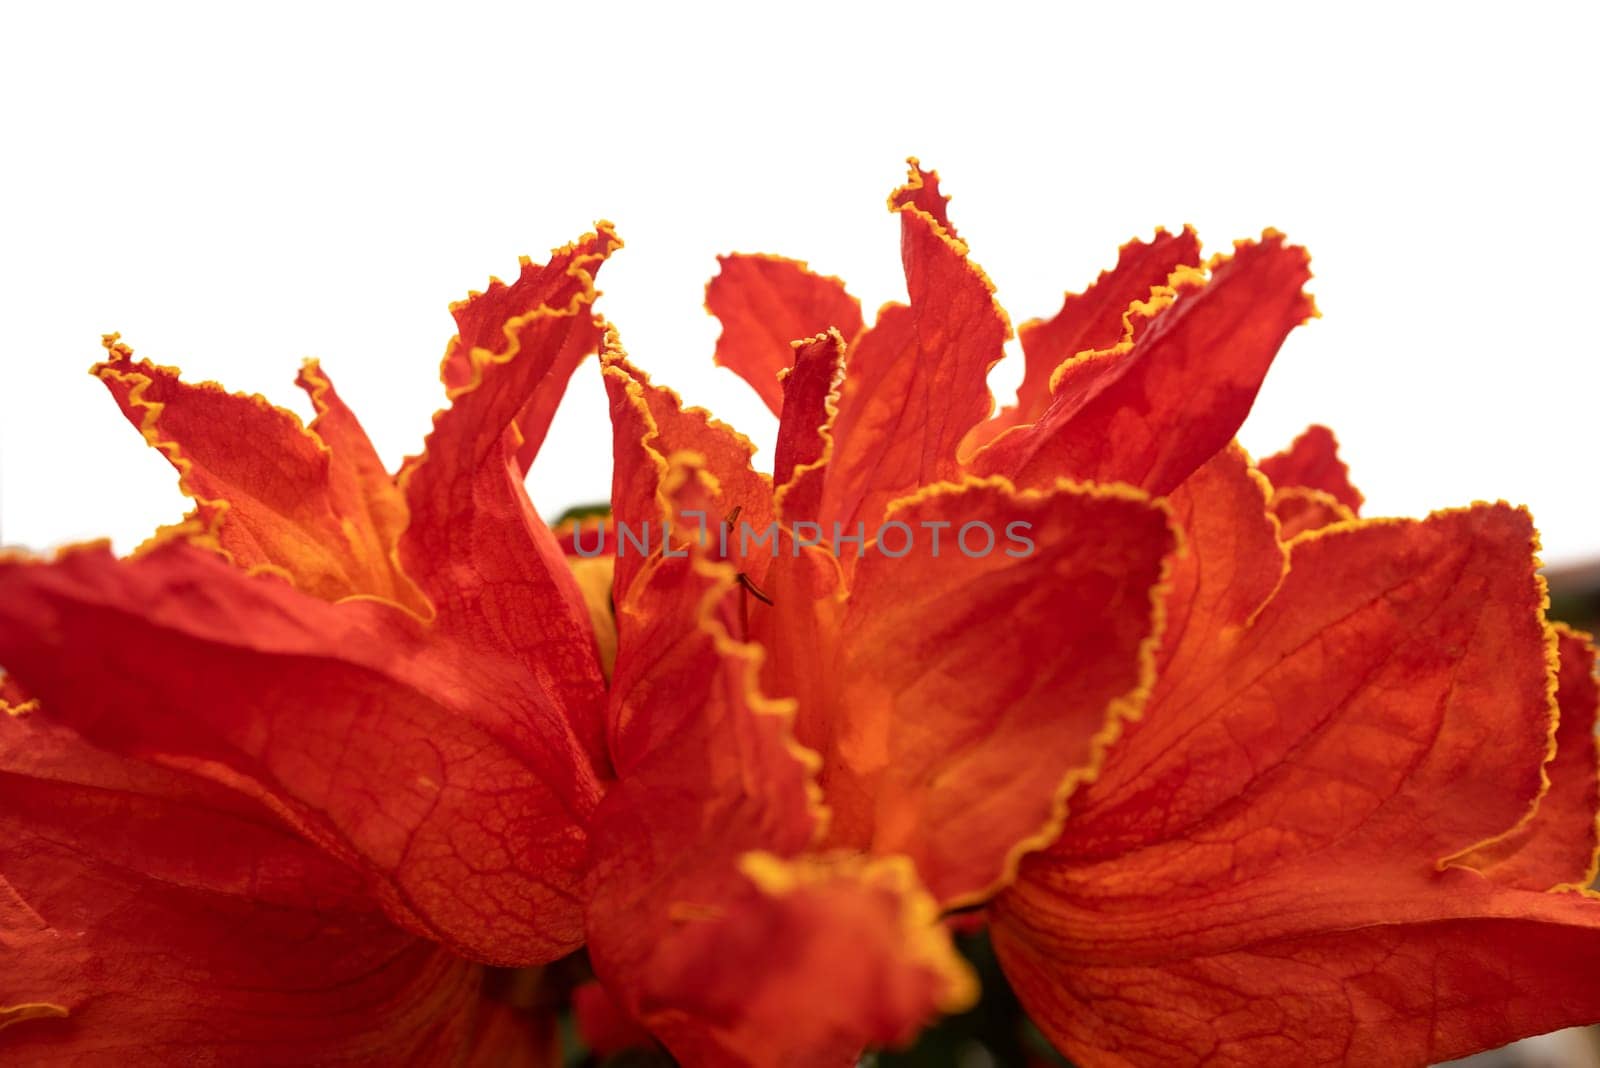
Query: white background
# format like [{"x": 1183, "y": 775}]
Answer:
[{"x": 235, "y": 188}]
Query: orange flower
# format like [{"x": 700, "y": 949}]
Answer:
[
  {"x": 302, "y": 758},
  {"x": 1239, "y": 777}
]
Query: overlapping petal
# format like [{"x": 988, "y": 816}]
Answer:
[
  {"x": 312, "y": 504},
  {"x": 764, "y": 304},
  {"x": 709, "y": 948},
  {"x": 917, "y": 380},
  {"x": 1153, "y": 408},
  {"x": 1269, "y": 865},
  {"x": 488, "y": 564},
  {"x": 1087, "y": 322},
  {"x": 1557, "y": 845},
  {"x": 416, "y": 764},
  {"x": 989, "y": 644},
  {"x": 151, "y": 917}
]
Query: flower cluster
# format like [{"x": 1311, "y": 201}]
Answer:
[{"x": 1232, "y": 775}]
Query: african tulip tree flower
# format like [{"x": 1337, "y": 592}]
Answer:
[{"x": 1239, "y": 777}]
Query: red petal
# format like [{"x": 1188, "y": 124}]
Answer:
[
  {"x": 487, "y": 321},
  {"x": 492, "y": 569},
  {"x": 1153, "y": 409},
  {"x": 810, "y": 401},
  {"x": 650, "y": 430},
  {"x": 916, "y": 382},
  {"x": 1299, "y": 509},
  {"x": 1258, "y": 867},
  {"x": 1313, "y": 462},
  {"x": 1086, "y": 322},
  {"x": 970, "y": 691},
  {"x": 314, "y": 506},
  {"x": 604, "y": 1026},
  {"x": 708, "y": 772},
  {"x": 921, "y": 191},
  {"x": 455, "y": 793},
  {"x": 150, "y": 917},
  {"x": 764, "y": 304},
  {"x": 1558, "y": 844}
]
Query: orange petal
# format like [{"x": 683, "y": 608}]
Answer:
[
  {"x": 1449, "y": 969},
  {"x": 1557, "y": 846},
  {"x": 651, "y": 429},
  {"x": 975, "y": 682},
  {"x": 489, "y": 320},
  {"x": 312, "y": 505},
  {"x": 819, "y": 958},
  {"x": 915, "y": 383},
  {"x": 425, "y": 765},
  {"x": 1313, "y": 462},
  {"x": 490, "y": 566},
  {"x": 708, "y": 772},
  {"x": 1261, "y": 865},
  {"x": 1154, "y": 408},
  {"x": 150, "y": 917},
  {"x": 764, "y": 304},
  {"x": 1087, "y": 321}
]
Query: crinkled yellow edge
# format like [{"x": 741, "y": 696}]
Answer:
[
  {"x": 920, "y": 930},
  {"x": 671, "y": 472},
  {"x": 1551, "y": 650},
  {"x": 1124, "y": 709}
]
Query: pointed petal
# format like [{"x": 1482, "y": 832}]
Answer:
[
  {"x": 1268, "y": 860},
  {"x": 151, "y": 917},
  {"x": 1151, "y": 410},
  {"x": 764, "y": 304},
  {"x": 1312, "y": 462},
  {"x": 810, "y": 401},
  {"x": 976, "y": 681},
  {"x": 275, "y": 496},
  {"x": 917, "y": 382},
  {"x": 921, "y": 191},
  {"x": 1088, "y": 321},
  {"x": 475, "y": 546},
  {"x": 1557, "y": 845},
  {"x": 422, "y": 765}
]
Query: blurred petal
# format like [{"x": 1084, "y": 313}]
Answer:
[
  {"x": 1087, "y": 321},
  {"x": 1299, "y": 509},
  {"x": 1312, "y": 462},
  {"x": 1557, "y": 845},
  {"x": 150, "y": 917},
  {"x": 1260, "y": 871},
  {"x": 973, "y": 689},
  {"x": 603, "y": 1025},
  {"x": 764, "y": 304},
  {"x": 1151, "y": 410},
  {"x": 419, "y": 764},
  {"x": 311, "y": 505},
  {"x": 490, "y": 566}
]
